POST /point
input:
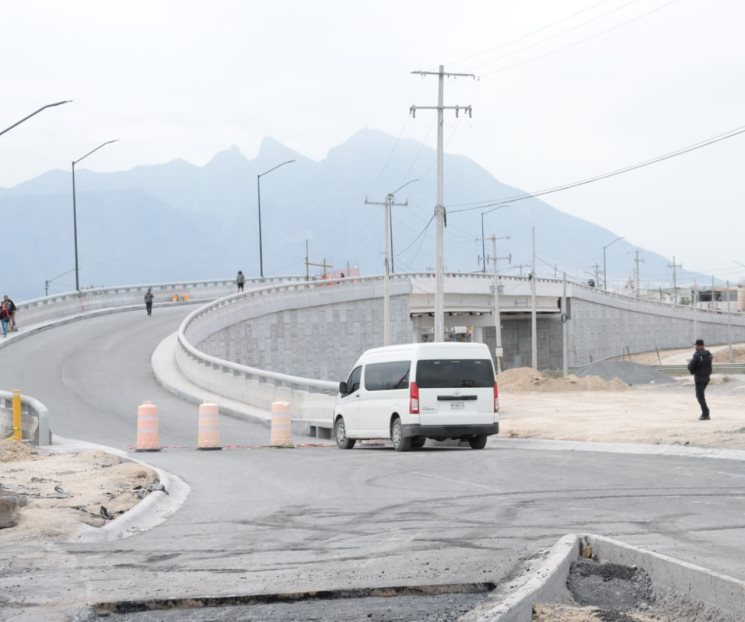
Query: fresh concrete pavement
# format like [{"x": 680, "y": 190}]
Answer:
[{"x": 273, "y": 520}]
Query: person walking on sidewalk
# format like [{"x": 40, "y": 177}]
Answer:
[
  {"x": 240, "y": 280},
  {"x": 5, "y": 317},
  {"x": 149, "y": 301},
  {"x": 12, "y": 309},
  {"x": 700, "y": 368}
]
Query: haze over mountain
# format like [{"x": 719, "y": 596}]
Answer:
[{"x": 177, "y": 221}]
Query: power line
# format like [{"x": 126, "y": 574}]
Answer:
[
  {"x": 421, "y": 233},
  {"x": 528, "y": 34},
  {"x": 555, "y": 35},
  {"x": 673, "y": 154},
  {"x": 569, "y": 45}
]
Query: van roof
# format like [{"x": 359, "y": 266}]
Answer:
[{"x": 419, "y": 350}]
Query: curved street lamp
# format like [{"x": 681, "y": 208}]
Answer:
[
  {"x": 258, "y": 188},
  {"x": 74, "y": 209},
  {"x": 605, "y": 279},
  {"x": 7, "y": 129}
]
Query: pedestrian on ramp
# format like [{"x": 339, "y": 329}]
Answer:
[{"x": 700, "y": 368}]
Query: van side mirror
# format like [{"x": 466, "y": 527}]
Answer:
[{"x": 343, "y": 388}]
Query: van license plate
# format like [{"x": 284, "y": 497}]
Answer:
[{"x": 457, "y": 405}]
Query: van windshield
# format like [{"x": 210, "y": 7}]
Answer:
[{"x": 454, "y": 373}]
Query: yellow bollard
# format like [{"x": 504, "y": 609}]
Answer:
[
  {"x": 17, "y": 422},
  {"x": 209, "y": 427},
  {"x": 281, "y": 425},
  {"x": 148, "y": 436}
]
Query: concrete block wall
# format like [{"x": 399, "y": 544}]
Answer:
[
  {"x": 604, "y": 328},
  {"x": 319, "y": 342},
  {"x": 516, "y": 342}
]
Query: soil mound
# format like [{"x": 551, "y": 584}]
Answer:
[
  {"x": 527, "y": 379},
  {"x": 626, "y": 371}
]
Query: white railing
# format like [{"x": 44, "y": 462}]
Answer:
[
  {"x": 34, "y": 418},
  {"x": 86, "y": 300},
  {"x": 310, "y": 398}
]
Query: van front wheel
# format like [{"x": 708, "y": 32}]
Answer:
[
  {"x": 478, "y": 441},
  {"x": 400, "y": 443},
  {"x": 340, "y": 434}
]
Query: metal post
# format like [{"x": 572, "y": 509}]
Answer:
[
  {"x": 564, "y": 327},
  {"x": 729, "y": 327},
  {"x": 695, "y": 318},
  {"x": 533, "y": 314},
  {"x": 498, "y": 353},
  {"x": 17, "y": 423},
  {"x": 75, "y": 229},
  {"x": 605, "y": 275},
  {"x": 261, "y": 250}
]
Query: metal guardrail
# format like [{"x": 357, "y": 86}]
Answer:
[
  {"x": 35, "y": 418},
  {"x": 718, "y": 368}
]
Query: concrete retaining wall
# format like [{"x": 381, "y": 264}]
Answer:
[{"x": 603, "y": 325}]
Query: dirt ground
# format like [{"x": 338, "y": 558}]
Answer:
[
  {"x": 535, "y": 407},
  {"x": 68, "y": 490}
]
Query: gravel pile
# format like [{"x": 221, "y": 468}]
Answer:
[{"x": 628, "y": 372}]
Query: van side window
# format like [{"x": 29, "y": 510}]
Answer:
[
  {"x": 387, "y": 376},
  {"x": 449, "y": 374},
  {"x": 353, "y": 382}
]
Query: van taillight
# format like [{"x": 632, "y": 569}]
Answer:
[
  {"x": 413, "y": 399},
  {"x": 496, "y": 398}
]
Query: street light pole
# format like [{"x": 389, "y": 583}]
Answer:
[
  {"x": 75, "y": 211},
  {"x": 7, "y": 129},
  {"x": 605, "y": 277},
  {"x": 258, "y": 189}
]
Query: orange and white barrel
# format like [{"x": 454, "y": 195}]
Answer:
[
  {"x": 209, "y": 427},
  {"x": 281, "y": 424},
  {"x": 148, "y": 437}
]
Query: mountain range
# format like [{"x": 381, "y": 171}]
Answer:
[{"x": 178, "y": 221}]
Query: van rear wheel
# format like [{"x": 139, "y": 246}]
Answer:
[
  {"x": 400, "y": 443},
  {"x": 340, "y": 434},
  {"x": 478, "y": 441}
]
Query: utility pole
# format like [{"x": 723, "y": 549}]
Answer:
[
  {"x": 388, "y": 203},
  {"x": 440, "y": 217},
  {"x": 637, "y": 261},
  {"x": 533, "y": 314},
  {"x": 307, "y": 271},
  {"x": 675, "y": 279}
]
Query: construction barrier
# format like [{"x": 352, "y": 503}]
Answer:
[
  {"x": 209, "y": 427},
  {"x": 148, "y": 437},
  {"x": 281, "y": 424}
]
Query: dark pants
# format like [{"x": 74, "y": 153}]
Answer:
[
  {"x": 149, "y": 308},
  {"x": 701, "y": 384}
]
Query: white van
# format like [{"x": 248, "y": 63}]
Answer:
[{"x": 416, "y": 391}]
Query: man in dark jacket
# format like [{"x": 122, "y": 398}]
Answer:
[{"x": 700, "y": 368}]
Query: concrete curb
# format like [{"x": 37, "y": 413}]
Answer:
[
  {"x": 713, "y": 595},
  {"x": 148, "y": 513},
  {"x": 619, "y": 448},
  {"x": 541, "y": 579}
]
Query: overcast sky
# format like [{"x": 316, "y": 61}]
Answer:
[{"x": 567, "y": 89}]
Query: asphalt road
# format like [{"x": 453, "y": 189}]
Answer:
[{"x": 263, "y": 520}]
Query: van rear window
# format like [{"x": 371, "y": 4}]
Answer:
[
  {"x": 387, "y": 376},
  {"x": 448, "y": 374}
]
